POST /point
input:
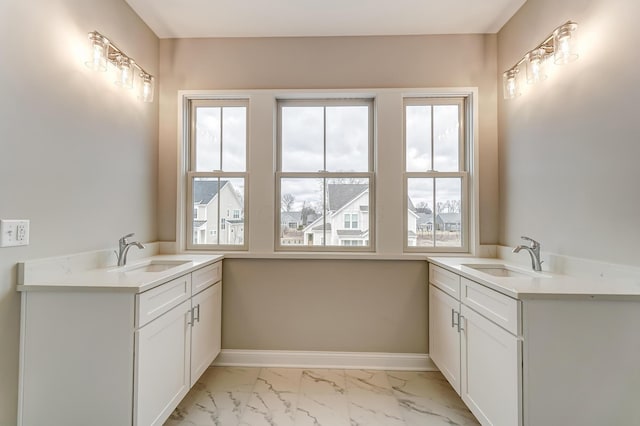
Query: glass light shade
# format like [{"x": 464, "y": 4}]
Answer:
[
  {"x": 98, "y": 52},
  {"x": 146, "y": 88},
  {"x": 125, "y": 72},
  {"x": 510, "y": 86},
  {"x": 564, "y": 44},
  {"x": 535, "y": 63}
]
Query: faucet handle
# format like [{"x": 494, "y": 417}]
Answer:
[
  {"x": 533, "y": 242},
  {"x": 124, "y": 239}
]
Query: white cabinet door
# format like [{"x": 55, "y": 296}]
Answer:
[
  {"x": 162, "y": 365},
  {"x": 206, "y": 331},
  {"x": 444, "y": 338},
  {"x": 491, "y": 371}
]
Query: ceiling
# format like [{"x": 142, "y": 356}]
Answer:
[{"x": 300, "y": 18}]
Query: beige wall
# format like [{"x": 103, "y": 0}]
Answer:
[
  {"x": 329, "y": 63},
  {"x": 78, "y": 155},
  {"x": 569, "y": 149},
  {"x": 320, "y": 305},
  {"x": 328, "y": 305}
]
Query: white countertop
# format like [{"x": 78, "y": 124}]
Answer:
[
  {"x": 541, "y": 284},
  {"x": 113, "y": 278}
]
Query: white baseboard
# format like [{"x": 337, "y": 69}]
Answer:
[{"x": 309, "y": 359}]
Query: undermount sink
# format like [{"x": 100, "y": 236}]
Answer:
[
  {"x": 500, "y": 270},
  {"x": 152, "y": 266}
]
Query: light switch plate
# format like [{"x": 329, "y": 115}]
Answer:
[{"x": 14, "y": 233}]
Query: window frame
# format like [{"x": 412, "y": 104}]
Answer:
[
  {"x": 190, "y": 172},
  {"x": 323, "y": 174},
  {"x": 465, "y": 165}
]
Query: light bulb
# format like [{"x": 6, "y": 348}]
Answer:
[
  {"x": 510, "y": 85},
  {"x": 98, "y": 52},
  {"x": 146, "y": 88},
  {"x": 125, "y": 72},
  {"x": 535, "y": 62},
  {"x": 564, "y": 44}
]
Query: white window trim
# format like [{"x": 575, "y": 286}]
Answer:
[
  {"x": 261, "y": 183},
  {"x": 465, "y": 157},
  {"x": 189, "y": 158},
  {"x": 370, "y": 174}
]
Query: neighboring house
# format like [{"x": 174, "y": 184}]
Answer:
[
  {"x": 425, "y": 222},
  {"x": 450, "y": 221},
  {"x": 444, "y": 222},
  {"x": 412, "y": 223},
  {"x": 291, "y": 227},
  {"x": 205, "y": 213},
  {"x": 290, "y": 220},
  {"x": 347, "y": 217}
]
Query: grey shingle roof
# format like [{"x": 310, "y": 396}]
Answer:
[
  {"x": 286, "y": 217},
  {"x": 198, "y": 223},
  {"x": 424, "y": 218},
  {"x": 450, "y": 217},
  {"x": 205, "y": 190},
  {"x": 321, "y": 227},
  {"x": 340, "y": 194}
]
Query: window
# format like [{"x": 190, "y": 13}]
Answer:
[
  {"x": 436, "y": 174},
  {"x": 351, "y": 220},
  {"x": 216, "y": 173},
  {"x": 325, "y": 168}
]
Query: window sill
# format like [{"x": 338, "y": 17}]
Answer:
[{"x": 330, "y": 255}]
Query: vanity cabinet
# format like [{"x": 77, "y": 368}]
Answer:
[
  {"x": 444, "y": 337},
  {"x": 162, "y": 376},
  {"x": 562, "y": 351},
  {"x": 474, "y": 341},
  {"x": 206, "y": 324},
  {"x": 109, "y": 357}
]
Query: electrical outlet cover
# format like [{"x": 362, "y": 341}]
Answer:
[{"x": 14, "y": 233}]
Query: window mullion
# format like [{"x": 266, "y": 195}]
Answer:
[
  {"x": 324, "y": 211},
  {"x": 433, "y": 145},
  {"x": 221, "y": 125},
  {"x": 435, "y": 212}
]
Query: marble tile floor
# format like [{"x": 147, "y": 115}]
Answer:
[{"x": 238, "y": 396}]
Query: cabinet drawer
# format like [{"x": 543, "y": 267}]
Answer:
[
  {"x": 204, "y": 277},
  {"x": 155, "y": 302},
  {"x": 445, "y": 280},
  {"x": 495, "y": 306}
]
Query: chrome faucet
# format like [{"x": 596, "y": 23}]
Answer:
[
  {"x": 534, "y": 251},
  {"x": 124, "y": 247}
]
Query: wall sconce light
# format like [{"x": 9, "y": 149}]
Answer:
[
  {"x": 125, "y": 72},
  {"x": 510, "y": 83},
  {"x": 146, "y": 88},
  {"x": 102, "y": 51},
  {"x": 560, "y": 44}
]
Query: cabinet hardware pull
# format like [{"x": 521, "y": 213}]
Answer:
[
  {"x": 453, "y": 315},
  {"x": 198, "y": 314},
  {"x": 190, "y": 322},
  {"x": 460, "y": 326},
  {"x": 452, "y": 321}
]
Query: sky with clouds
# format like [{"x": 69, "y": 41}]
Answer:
[{"x": 347, "y": 144}]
